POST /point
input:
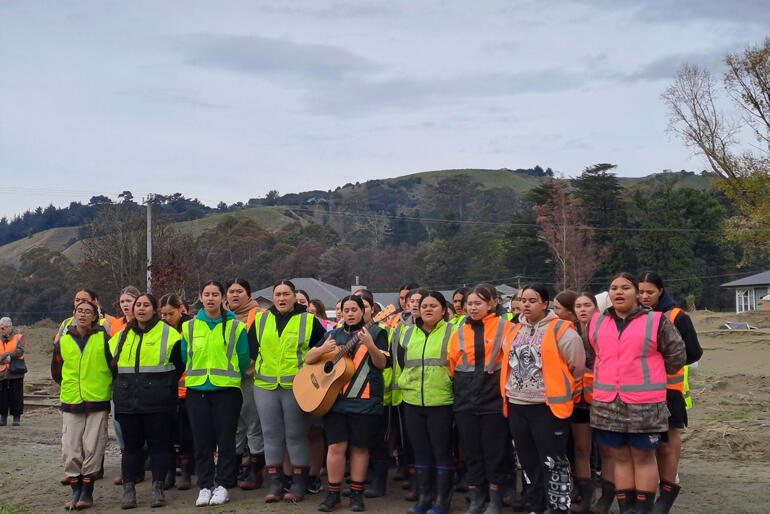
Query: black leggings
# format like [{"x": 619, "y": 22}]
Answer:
[
  {"x": 487, "y": 446},
  {"x": 430, "y": 434},
  {"x": 12, "y": 396},
  {"x": 156, "y": 429}
]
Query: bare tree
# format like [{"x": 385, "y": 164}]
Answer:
[
  {"x": 562, "y": 225},
  {"x": 744, "y": 171}
]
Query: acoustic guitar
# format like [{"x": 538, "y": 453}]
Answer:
[{"x": 317, "y": 385}]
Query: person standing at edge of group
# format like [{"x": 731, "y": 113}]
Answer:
[
  {"x": 635, "y": 348},
  {"x": 216, "y": 354},
  {"x": 80, "y": 364},
  {"x": 248, "y": 437},
  {"x": 11, "y": 379},
  {"x": 585, "y": 307},
  {"x": 426, "y": 385},
  {"x": 543, "y": 358},
  {"x": 173, "y": 312},
  {"x": 475, "y": 358},
  {"x": 353, "y": 423},
  {"x": 284, "y": 334},
  {"x": 147, "y": 358},
  {"x": 653, "y": 295}
]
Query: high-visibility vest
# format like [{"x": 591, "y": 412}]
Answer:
[
  {"x": 394, "y": 321},
  {"x": 252, "y": 316},
  {"x": 280, "y": 357},
  {"x": 584, "y": 388},
  {"x": 463, "y": 344},
  {"x": 209, "y": 356},
  {"x": 457, "y": 319},
  {"x": 628, "y": 365},
  {"x": 426, "y": 379},
  {"x": 393, "y": 394},
  {"x": 675, "y": 381},
  {"x": 687, "y": 396},
  {"x": 9, "y": 347},
  {"x": 559, "y": 383},
  {"x": 148, "y": 384},
  {"x": 86, "y": 375},
  {"x": 106, "y": 322}
]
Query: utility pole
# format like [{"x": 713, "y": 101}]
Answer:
[{"x": 149, "y": 243}]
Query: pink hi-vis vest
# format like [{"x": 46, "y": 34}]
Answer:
[{"x": 630, "y": 364}]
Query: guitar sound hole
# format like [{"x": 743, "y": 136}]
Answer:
[{"x": 328, "y": 367}]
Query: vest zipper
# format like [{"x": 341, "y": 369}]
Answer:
[{"x": 80, "y": 366}]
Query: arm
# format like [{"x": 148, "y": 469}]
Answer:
[
  {"x": 454, "y": 351},
  {"x": 253, "y": 342},
  {"x": 684, "y": 325},
  {"x": 318, "y": 336},
  {"x": 244, "y": 356},
  {"x": 56, "y": 363},
  {"x": 176, "y": 359},
  {"x": 572, "y": 351},
  {"x": 314, "y": 354},
  {"x": 671, "y": 346}
]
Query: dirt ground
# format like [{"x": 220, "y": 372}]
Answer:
[{"x": 725, "y": 465}]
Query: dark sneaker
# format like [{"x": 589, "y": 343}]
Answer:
[{"x": 314, "y": 485}]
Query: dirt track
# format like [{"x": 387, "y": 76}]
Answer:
[{"x": 725, "y": 466}]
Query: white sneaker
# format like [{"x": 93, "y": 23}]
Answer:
[
  {"x": 219, "y": 496},
  {"x": 204, "y": 497}
]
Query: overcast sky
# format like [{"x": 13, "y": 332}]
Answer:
[{"x": 226, "y": 100}]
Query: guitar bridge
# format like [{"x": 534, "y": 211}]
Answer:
[{"x": 314, "y": 381}]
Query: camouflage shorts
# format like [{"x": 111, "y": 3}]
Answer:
[{"x": 618, "y": 416}]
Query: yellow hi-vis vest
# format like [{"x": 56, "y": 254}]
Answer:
[
  {"x": 209, "y": 356},
  {"x": 426, "y": 380},
  {"x": 687, "y": 396},
  {"x": 280, "y": 357},
  {"x": 393, "y": 395},
  {"x": 155, "y": 356},
  {"x": 86, "y": 375}
]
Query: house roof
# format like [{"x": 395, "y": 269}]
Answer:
[
  {"x": 329, "y": 294},
  {"x": 760, "y": 279}
]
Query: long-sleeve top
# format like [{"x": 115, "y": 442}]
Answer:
[{"x": 14, "y": 354}]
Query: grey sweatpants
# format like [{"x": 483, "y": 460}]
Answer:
[
  {"x": 284, "y": 425},
  {"x": 248, "y": 437}
]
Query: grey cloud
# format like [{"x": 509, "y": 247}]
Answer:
[
  {"x": 739, "y": 11},
  {"x": 262, "y": 55},
  {"x": 665, "y": 68}
]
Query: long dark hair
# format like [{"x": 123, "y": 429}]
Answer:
[
  {"x": 441, "y": 300},
  {"x": 286, "y": 282},
  {"x": 241, "y": 282},
  {"x": 652, "y": 278},
  {"x": 540, "y": 289},
  {"x": 134, "y": 324},
  {"x": 355, "y": 299},
  {"x": 628, "y": 276},
  {"x": 567, "y": 299}
]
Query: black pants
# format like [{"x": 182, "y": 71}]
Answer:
[
  {"x": 487, "y": 446},
  {"x": 214, "y": 420},
  {"x": 183, "y": 436},
  {"x": 156, "y": 430},
  {"x": 12, "y": 396},
  {"x": 541, "y": 444},
  {"x": 430, "y": 433}
]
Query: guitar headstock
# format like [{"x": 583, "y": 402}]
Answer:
[{"x": 385, "y": 313}]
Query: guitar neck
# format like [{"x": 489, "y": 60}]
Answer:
[{"x": 353, "y": 341}]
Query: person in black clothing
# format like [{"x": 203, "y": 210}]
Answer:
[
  {"x": 147, "y": 358},
  {"x": 652, "y": 294},
  {"x": 354, "y": 419}
]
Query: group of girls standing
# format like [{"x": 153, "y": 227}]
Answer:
[{"x": 473, "y": 381}]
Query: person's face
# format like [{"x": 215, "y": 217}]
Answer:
[
  {"x": 237, "y": 296},
  {"x": 477, "y": 307},
  {"x": 516, "y": 303},
  {"x": 649, "y": 294},
  {"x": 584, "y": 309},
  {"x": 623, "y": 295},
  {"x": 338, "y": 310},
  {"x": 532, "y": 306},
  {"x": 402, "y": 298},
  {"x": 143, "y": 310},
  {"x": 352, "y": 313},
  {"x": 367, "y": 311},
  {"x": 457, "y": 302},
  {"x": 562, "y": 312},
  {"x": 82, "y": 296},
  {"x": 311, "y": 309},
  {"x": 84, "y": 315},
  {"x": 170, "y": 314},
  {"x": 211, "y": 298},
  {"x": 431, "y": 311},
  {"x": 6, "y": 330},
  {"x": 302, "y": 299},
  {"x": 126, "y": 302},
  {"x": 414, "y": 304},
  {"x": 284, "y": 298}
]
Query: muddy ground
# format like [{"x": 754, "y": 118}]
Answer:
[{"x": 725, "y": 465}]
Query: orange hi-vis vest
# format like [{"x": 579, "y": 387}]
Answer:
[
  {"x": 675, "y": 382},
  {"x": 252, "y": 316},
  {"x": 462, "y": 352},
  {"x": 352, "y": 388},
  {"x": 9, "y": 347},
  {"x": 584, "y": 388},
  {"x": 560, "y": 387}
]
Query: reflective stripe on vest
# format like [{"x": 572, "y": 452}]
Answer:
[
  {"x": 392, "y": 384},
  {"x": 158, "y": 368},
  {"x": 490, "y": 365},
  {"x": 675, "y": 381},
  {"x": 258, "y": 375},
  {"x": 353, "y": 389},
  {"x": 230, "y": 372},
  {"x": 443, "y": 360}
]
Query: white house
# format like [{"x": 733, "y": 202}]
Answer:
[{"x": 749, "y": 291}]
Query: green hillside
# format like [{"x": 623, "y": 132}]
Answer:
[{"x": 430, "y": 193}]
